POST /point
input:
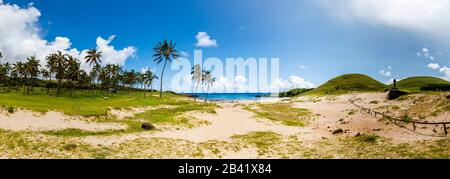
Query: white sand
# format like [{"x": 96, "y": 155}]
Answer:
[
  {"x": 228, "y": 121},
  {"x": 28, "y": 121},
  {"x": 232, "y": 120},
  {"x": 332, "y": 111}
]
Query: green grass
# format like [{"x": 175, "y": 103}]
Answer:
[
  {"x": 367, "y": 138},
  {"x": 348, "y": 83},
  {"x": 284, "y": 113},
  {"x": 82, "y": 104},
  {"x": 80, "y": 133},
  {"x": 173, "y": 115},
  {"x": 414, "y": 84}
]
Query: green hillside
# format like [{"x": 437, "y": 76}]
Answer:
[
  {"x": 349, "y": 83},
  {"x": 415, "y": 83}
]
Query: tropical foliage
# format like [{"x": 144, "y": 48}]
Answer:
[{"x": 63, "y": 73}]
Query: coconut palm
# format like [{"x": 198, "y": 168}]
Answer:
[
  {"x": 60, "y": 61},
  {"x": 73, "y": 72},
  {"x": 45, "y": 74},
  {"x": 209, "y": 81},
  {"x": 113, "y": 74},
  {"x": 93, "y": 58},
  {"x": 51, "y": 67},
  {"x": 148, "y": 78},
  {"x": 19, "y": 71},
  {"x": 197, "y": 76},
  {"x": 31, "y": 71},
  {"x": 130, "y": 78},
  {"x": 164, "y": 51},
  {"x": 4, "y": 74}
]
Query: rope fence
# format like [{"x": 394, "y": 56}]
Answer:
[{"x": 396, "y": 120}]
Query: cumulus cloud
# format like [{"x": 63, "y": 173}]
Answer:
[
  {"x": 112, "y": 56},
  {"x": 425, "y": 53},
  {"x": 385, "y": 73},
  {"x": 292, "y": 83},
  {"x": 446, "y": 71},
  {"x": 204, "y": 40},
  {"x": 184, "y": 54},
  {"x": 429, "y": 17},
  {"x": 20, "y": 38},
  {"x": 298, "y": 82},
  {"x": 433, "y": 66}
]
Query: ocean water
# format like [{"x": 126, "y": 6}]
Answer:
[{"x": 231, "y": 96}]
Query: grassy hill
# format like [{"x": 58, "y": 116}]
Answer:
[
  {"x": 349, "y": 83},
  {"x": 415, "y": 83}
]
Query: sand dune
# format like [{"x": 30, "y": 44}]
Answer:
[{"x": 28, "y": 121}]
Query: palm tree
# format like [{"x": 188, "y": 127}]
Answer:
[
  {"x": 93, "y": 57},
  {"x": 148, "y": 78},
  {"x": 45, "y": 76},
  {"x": 73, "y": 72},
  {"x": 164, "y": 51},
  {"x": 31, "y": 71},
  {"x": 60, "y": 61},
  {"x": 20, "y": 73},
  {"x": 129, "y": 79},
  {"x": 51, "y": 66},
  {"x": 113, "y": 75},
  {"x": 208, "y": 80},
  {"x": 197, "y": 76},
  {"x": 5, "y": 75}
]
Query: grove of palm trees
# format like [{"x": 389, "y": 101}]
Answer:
[{"x": 63, "y": 73}]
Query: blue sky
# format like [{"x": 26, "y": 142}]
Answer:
[{"x": 313, "y": 39}]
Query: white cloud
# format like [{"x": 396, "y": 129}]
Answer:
[
  {"x": 204, "y": 40},
  {"x": 385, "y": 73},
  {"x": 20, "y": 38},
  {"x": 298, "y": 82},
  {"x": 184, "y": 54},
  {"x": 425, "y": 53},
  {"x": 293, "y": 82},
  {"x": 446, "y": 71},
  {"x": 112, "y": 56},
  {"x": 433, "y": 66},
  {"x": 429, "y": 17},
  {"x": 240, "y": 79}
]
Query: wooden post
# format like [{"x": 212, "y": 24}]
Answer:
[{"x": 445, "y": 130}]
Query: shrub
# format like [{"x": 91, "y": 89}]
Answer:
[
  {"x": 11, "y": 109},
  {"x": 294, "y": 92},
  {"x": 436, "y": 87},
  {"x": 395, "y": 93},
  {"x": 368, "y": 138}
]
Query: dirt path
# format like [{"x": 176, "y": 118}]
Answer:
[{"x": 228, "y": 121}]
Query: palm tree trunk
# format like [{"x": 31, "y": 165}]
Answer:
[
  {"x": 196, "y": 89},
  {"x": 162, "y": 76},
  {"x": 58, "y": 91},
  {"x": 207, "y": 94},
  {"x": 145, "y": 90},
  {"x": 71, "y": 88},
  {"x": 48, "y": 84}
]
